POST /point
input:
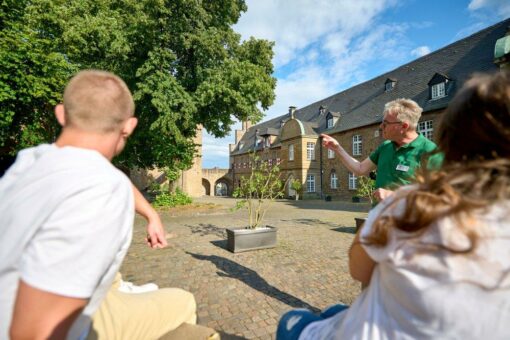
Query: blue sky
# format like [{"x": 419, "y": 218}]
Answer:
[{"x": 326, "y": 46}]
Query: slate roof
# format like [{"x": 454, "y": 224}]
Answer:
[{"x": 362, "y": 105}]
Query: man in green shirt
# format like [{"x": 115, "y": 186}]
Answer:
[{"x": 397, "y": 158}]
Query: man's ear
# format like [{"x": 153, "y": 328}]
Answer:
[
  {"x": 405, "y": 125},
  {"x": 129, "y": 126},
  {"x": 60, "y": 114}
]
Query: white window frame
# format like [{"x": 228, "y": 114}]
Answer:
[
  {"x": 330, "y": 123},
  {"x": 357, "y": 145},
  {"x": 310, "y": 151},
  {"x": 426, "y": 128},
  {"x": 331, "y": 154},
  {"x": 310, "y": 183},
  {"x": 438, "y": 91},
  {"x": 353, "y": 181},
  {"x": 333, "y": 181},
  {"x": 291, "y": 152},
  {"x": 388, "y": 86}
]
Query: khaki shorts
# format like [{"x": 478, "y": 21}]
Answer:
[{"x": 142, "y": 316}]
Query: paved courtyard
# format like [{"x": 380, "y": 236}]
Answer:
[{"x": 242, "y": 295}]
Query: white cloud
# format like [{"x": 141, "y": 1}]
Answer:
[
  {"x": 215, "y": 150},
  {"x": 326, "y": 46},
  {"x": 387, "y": 43},
  {"x": 502, "y": 7},
  {"x": 305, "y": 86},
  {"x": 294, "y": 25},
  {"x": 420, "y": 51}
]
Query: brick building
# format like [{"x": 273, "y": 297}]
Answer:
[{"x": 353, "y": 116}]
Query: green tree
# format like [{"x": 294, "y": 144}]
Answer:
[
  {"x": 32, "y": 76},
  {"x": 183, "y": 61}
]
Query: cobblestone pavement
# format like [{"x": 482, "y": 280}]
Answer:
[{"x": 243, "y": 295}]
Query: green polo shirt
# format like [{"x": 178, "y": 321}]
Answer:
[{"x": 397, "y": 166}]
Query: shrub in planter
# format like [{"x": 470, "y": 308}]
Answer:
[
  {"x": 256, "y": 192},
  {"x": 296, "y": 186},
  {"x": 366, "y": 187}
]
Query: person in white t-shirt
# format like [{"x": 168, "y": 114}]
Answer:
[
  {"x": 66, "y": 217},
  {"x": 436, "y": 255}
]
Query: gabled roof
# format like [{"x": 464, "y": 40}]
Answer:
[{"x": 362, "y": 105}]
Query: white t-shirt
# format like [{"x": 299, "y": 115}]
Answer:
[
  {"x": 419, "y": 291},
  {"x": 66, "y": 217}
]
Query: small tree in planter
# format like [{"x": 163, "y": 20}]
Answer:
[
  {"x": 256, "y": 191},
  {"x": 296, "y": 186},
  {"x": 366, "y": 187}
]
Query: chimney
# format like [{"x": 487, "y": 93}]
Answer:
[
  {"x": 322, "y": 110},
  {"x": 291, "y": 111}
]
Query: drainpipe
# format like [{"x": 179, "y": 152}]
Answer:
[
  {"x": 233, "y": 178},
  {"x": 320, "y": 164}
]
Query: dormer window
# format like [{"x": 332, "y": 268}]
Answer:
[
  {"x": 389, "y": 84},
  {"x": 331, "y": 119},
  {"x": 438, "y": 91},
  {"x": 438, "y": 86},
  {"x": 330, "y": 122}
]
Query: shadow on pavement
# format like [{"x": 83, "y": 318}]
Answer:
[
  {"x": 226, "y": 336},
  {"x": 207, "y": 229},
  {"x": 250, "y": 277},
  {"x": 220, "y": 244},
  {"x": 312, "y": 222},
  {"x": 348, "y": 230},
  {"x": 333, "y": 205}
]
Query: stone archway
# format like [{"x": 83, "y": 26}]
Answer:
[
  {"x": 221, "y": 188},
  {"x": 206, "y": 187}
]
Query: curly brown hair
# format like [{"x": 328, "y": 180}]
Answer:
[{"x": 474, "y": 136}]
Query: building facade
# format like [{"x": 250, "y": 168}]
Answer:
[{"x": 353, "y": 116}]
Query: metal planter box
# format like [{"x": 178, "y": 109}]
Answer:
[{"x": 241, "y": 239}]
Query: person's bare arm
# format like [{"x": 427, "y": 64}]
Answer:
[
  {"x": 155, "y": 230},
  {"x": 361, "y": 265},
  {"x": 358, "y": 168},
  {"x": 42, "y": 315}
]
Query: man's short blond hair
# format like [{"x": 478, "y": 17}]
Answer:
[
  {"x": 406, "y": 110},
  {"x": 97, "y": 101}
]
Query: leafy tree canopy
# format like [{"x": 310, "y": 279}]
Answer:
[{"x": 182, "y": 60}]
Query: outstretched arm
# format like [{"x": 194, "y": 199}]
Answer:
[
  {"x": 353, "y": 165},
  {"x": 155, "y": 230}
]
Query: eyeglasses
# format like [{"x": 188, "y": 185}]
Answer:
[{"x": 385, "y": 122}]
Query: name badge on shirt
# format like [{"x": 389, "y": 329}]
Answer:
[{"x": 404, "y": 168}]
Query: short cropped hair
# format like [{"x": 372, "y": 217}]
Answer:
[
  {"x": 97, "y": 101},
  {"x": 406, "y": 110}
]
